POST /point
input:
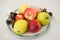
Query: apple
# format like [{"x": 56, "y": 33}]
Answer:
[
  {"x": 34, "y": 26},
  {"x": 23, "y": 7},
  {"x": 19, "y": 16},
  {"x": 29, "y": 14},
  {"x": 37, "y": 10},
  {"x": 20, "y": 26},
  {"x": 43, "y": 18}
]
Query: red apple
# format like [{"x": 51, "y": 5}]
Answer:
[
  {"x": 29, "y": 14},
  {"x": 34, "y": 26},
  {"x": 37, "y": 10},
  {"x": 19, "y": 16}
]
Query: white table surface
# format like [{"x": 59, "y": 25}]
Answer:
[{"x": 6, "y": 6}]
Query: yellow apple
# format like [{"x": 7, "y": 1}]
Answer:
[
  {"x": 23, "y": 7},
  {"x": 43, "y": 18},
  {"x": 20, "y": 26}
]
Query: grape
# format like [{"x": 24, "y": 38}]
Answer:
[
  {"x": 8, "y": 22},
  {"x": 12, "y": 25},
  {"x": 12, "y": 15},
  {"x": 44, "y": 10},
  {"x": 15, "y": 14},
  {"x": 50, "y": 13}
]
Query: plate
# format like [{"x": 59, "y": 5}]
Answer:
[{"x": 29, "y": 34}]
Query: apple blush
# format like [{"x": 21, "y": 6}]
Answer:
[
  {"x": 19, "y": 16},
  {"x": 29, "y": 14},
  {"x": 34, "y": 26}
]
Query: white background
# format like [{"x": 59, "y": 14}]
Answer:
[{"x": 6, "y": 6}]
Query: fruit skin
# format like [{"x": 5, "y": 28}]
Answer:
[
  {"x": 20, "y": 26},
  {"x": 19, "y": 16},
  {"x": 29, "y": 14},
  {"x": 23, "y": 7},
  {"x": 34, "y": 26},
  {"x": 37, "y": 10},
  {"x": 43, "y": 18}
]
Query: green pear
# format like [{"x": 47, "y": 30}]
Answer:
[
  {"x": 43, "y": 18},
  {"x": 20, "y": 26}
]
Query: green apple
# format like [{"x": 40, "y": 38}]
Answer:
[
  {"x": 23, "y": 7},
  {"x": 20, "y": 26},
  {"x": 43, "y": 18}
]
